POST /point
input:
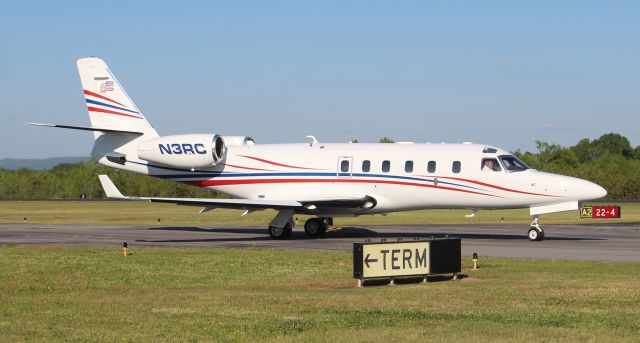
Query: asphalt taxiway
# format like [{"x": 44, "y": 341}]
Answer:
[{"x": 613, "y": 242}]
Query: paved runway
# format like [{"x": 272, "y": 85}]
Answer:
[{"x": 616, "y": 242}]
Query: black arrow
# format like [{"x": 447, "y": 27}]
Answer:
[{"x": 367, "y": 260}]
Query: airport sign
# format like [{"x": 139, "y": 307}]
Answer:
[
  {"x": 395, "y": 259},
  {"x": 600, "y": 212},
  {"x": 410, "y": 258}
]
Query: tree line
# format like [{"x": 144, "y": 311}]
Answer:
[
  {"x": 609, "y": 161},
  {"x": 80, "y": 180}
]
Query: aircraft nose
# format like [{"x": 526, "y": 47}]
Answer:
[
  {"x": 600, "y": 191},
  {"x": 592, "y": 191}
]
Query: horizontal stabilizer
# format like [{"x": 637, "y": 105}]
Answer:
[{"x": 86, "y": 128}]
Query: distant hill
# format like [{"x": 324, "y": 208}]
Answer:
[{"x": 38, "y": 164}]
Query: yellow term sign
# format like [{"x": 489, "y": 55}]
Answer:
[{"x": 394, "y": 259}]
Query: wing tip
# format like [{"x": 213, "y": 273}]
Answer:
[{"x": 110, "y": 189}]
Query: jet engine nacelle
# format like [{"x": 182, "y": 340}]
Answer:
[{"x": 184, "y": 151}]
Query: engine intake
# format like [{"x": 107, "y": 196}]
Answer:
[{"x": 184, "y": 151}]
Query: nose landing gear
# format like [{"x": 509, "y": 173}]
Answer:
[{"x": 535, "y": 231}]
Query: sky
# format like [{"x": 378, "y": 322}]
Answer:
[{"x": 503, "y": 73}]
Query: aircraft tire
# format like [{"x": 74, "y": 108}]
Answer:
[
  {"x": 535, "y": 234},
  {"x": 315, "y": 227},
  {"x": 280, "y": 233}
]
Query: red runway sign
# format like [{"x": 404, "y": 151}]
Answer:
[{"x": 600, "y": 212}]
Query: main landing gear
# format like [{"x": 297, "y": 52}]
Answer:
[
  {"x": 316, "y": 227},
  {"x": 282, "y": 225},
  {"x": 535, "y": 232},
  {"x": 281, "y": 232}
]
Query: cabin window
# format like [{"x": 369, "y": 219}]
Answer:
[
  {"x": 431, "y": 166},
  {"x": 344, "y": 166},
  {"x": 386, "y": 166},
  {"x": 408, "y": 166},
  {"x": 366, "y": 166},
  {"x": 490, "y": 165},
  {"x": 456, "y": 167}
]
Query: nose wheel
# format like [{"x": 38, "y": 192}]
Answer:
[
  {"x": 536, "y": 234},
  {"x": 535, "y": 231}
]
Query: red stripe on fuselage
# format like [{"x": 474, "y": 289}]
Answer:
[
  {"x": 276, "y": 163},
  {"x": 102, "y": 97},
  {"x": 96, "y": 109},
  {"x": 217, "y": 182},
  {"x": 494, "y": 186},
  {"x": 239, "y": 167}
]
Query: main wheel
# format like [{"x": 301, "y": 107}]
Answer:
[
  {"x": 315, "y": 227},
  {"x": 280, "y": 233},
  {"x": 535, "y": 234}
]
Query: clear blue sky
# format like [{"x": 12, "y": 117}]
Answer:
[{"x": 497, "y": 72}]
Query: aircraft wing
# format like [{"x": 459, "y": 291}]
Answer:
[
  {"x": 308, "y": 205},
  {"x": 112, "y": 192},
  {"x": 231, "y": 203}
]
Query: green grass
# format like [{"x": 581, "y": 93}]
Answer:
[
  {"x": 94, "y": 294},
  {"x": 145, "y": 213}
]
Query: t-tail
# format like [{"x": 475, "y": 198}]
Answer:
[
  {"x": 117, "y": 123},
  {"x": 110, "y": 107},
  {"x": 108, "y": 103}
]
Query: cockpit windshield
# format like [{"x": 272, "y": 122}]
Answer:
[{"x": 512, "y": 163}]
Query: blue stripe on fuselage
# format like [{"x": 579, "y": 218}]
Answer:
[{"x": 204, "y": 175}]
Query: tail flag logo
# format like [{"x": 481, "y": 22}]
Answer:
[{"x": 106, "y": 86}]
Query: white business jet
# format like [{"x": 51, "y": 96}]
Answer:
[{"x": 324, "y": 180}]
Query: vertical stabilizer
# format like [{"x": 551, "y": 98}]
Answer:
[
  {"x": 113, "y": 111},
  {"x": 108, "y": 104}
]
